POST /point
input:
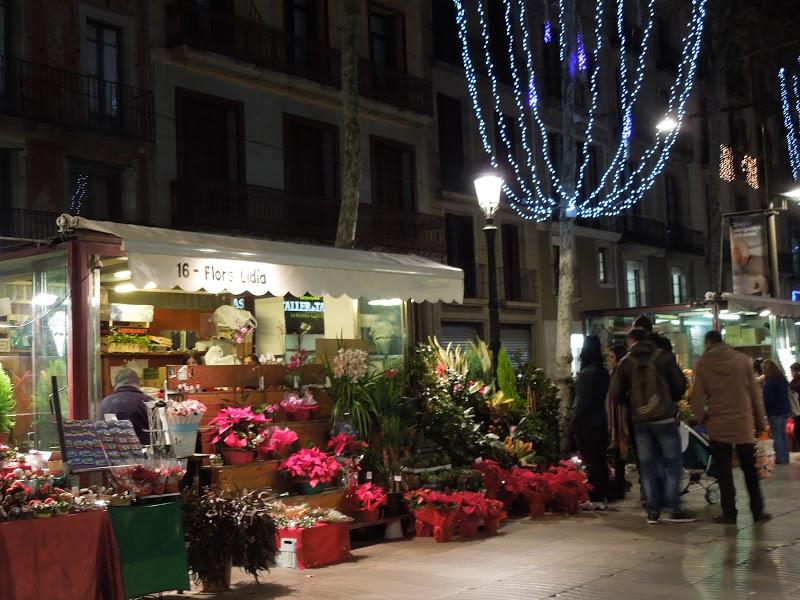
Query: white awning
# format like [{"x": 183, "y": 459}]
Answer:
[
  {"x": 779, "y": 308},
  {"x": 166, "y": 259}
]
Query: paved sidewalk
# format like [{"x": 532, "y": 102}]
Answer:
[{"x": 598, "y": 556}]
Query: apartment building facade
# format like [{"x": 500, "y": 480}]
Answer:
[{"x": 242, "y": 133}]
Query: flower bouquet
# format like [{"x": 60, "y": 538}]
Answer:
[
  {"x": 535, "y": 488},
  {"x": 311, "y": 468},
  {"x": 436, "y": 513},
  {"x": 236, "y": 430},
  {"x": 369, "y": 499},
  {"x": 495, "y": 514},
  {"x": 299, "y": 408},
  {"x": 183, "y": 420},
  {"x": 345, "y": 443},
  {"x": 274, "y": 441},
  {"x": 472, "y": 512}
]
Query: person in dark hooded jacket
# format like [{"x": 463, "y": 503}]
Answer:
[
  {"x": 649, "y": 380},
  {"x": 590, "y": 421},
  {"x": 127, "y": 403}
]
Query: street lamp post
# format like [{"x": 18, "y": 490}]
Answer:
[{"x": 488, "y": 188}]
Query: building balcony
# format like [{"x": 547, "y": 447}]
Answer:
[
  {"x": 641, "y": 230},
  {"x": 250, "y": 41},
  {"x": 27, "y": 224},
  {"x": 247, "y": 40},
  {"x": 521, "y": 286},
  {"x": 51, "y": 95},
  {"x": 266, "y": 212},
  {"x": 683, "y": 239}
]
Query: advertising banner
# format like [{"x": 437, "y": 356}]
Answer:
[{"x": 750, "y": 255}]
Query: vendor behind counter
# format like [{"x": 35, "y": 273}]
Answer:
[{"x": 127, "y": 403}]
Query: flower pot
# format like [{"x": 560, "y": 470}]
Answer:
[
  {"x": 4, "y": 436},
  {"x": 237, "y": 456},
  {"x": 468, "y": 526},
  {"x": 368, "y": 516},
  {"x": 266, "y": 455},
  {"x": 305, "y": 488},
  {"x": 300, "y": 415},
  {"x": 491, "y": 525},
  {"x": 213, "y": 586}
]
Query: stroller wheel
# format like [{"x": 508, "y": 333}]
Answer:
[{"x": 712, "y": 496}]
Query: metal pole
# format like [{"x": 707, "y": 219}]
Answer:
[
  {"x": 490, "y": 230},
  {"x": 772, "y": 225}
]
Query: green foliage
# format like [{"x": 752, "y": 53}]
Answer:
[
  {"x": 468, "y": 480},
  {"x": 507, "y": 381},
  {"x": 479, "y": 358},
  {"x": 452, "y": 357},
  {"x": 539, "y": 425},
  {"x": 7, "y": 403}
]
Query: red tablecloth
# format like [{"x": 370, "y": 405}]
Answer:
[
  {"x": 321, "y": 545},
  {"x": 61, "y": 558}
]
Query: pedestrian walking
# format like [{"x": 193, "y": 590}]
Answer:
[
  {"x": 726, "y": 399},
  {"x": 776, "y": 404},
  {"x": 794, "y": 401},
  {"x": 651, "y": 383},
  {"x": 659, "y": 340},
  {"x": 590, "y": 421}
]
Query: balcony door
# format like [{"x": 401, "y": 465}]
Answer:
[
  {"x": 387, "y": 37},
  {"x": 104, "y": 67},
  {"x": 210, "y": 144},
  {"x": 393, "y": 175},
  {"x": 306, "y": 22}
]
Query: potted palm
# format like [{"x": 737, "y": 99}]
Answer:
[{"x": 7, "y": 405}]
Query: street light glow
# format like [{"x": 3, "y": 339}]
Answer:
[
  {"x": 666, "y": 125},
  {"x": 793, "y": 193},
  {"x": 488, "y": 188}
]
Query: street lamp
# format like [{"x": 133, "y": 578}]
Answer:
[
  {"x": 488, "y": 188},
  {"x": 666, "y": 124}
]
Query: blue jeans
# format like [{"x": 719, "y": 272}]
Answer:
[
  {"x": 659, "y": 448},
  {"x": 777, "y": 426}
]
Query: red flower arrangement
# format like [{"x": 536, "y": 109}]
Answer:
[
  {"x": 345, "y": 442},
  {"x": 238, "y": 427},
  {"x": 313, "y": 464},
  {"x": 277, "y": 440},
  {"x": 297, "y": 360},
  {"x": 299, "y": 407},
  {"x": 535, "y": 488},
  {"x": 568, "y": 486},
  {"x": 370, "y": 497}
]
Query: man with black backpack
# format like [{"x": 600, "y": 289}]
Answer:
[{"x": 650, "y": 382}]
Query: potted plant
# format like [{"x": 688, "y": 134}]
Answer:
[
  {"x": 221, "y": 532},
  {"x": 237, "y": 429},
  {"x": 352, "y": 390},
  {"x": 311, "y": 469},
  {"x": 383, "y": 333},
  {"x": 7, "y": 405},
  {"x": 369, "y": 499},
  {"x": 276, "y": 441},
  {"x": 299, "y": 408},
  {"x": 294, "y": 369},
  {"x": 435, "y": 513}
]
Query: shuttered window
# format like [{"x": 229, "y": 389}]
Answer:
[
  {"x": 517, "y": 342},
  {"x": 459, "y": 334}
]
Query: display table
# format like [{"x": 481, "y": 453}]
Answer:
[
  {"x": 151, "y": 547},
  {"x": 323, "y": 544},
  {"x": 60, "y": 558}
]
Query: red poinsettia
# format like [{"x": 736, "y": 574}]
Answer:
[
  {"x": 370, "y": 497},
  {"x": 438, "y": 500},
  {"x": 238, "y": 427},
  {"x": 345, "y": 441},
  {"x": 312, "y": 463},
  {"x": 277, "y": 440}
]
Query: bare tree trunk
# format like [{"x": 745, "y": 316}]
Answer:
[
  {"x": 716, "y": 55},
  {"x": 351, "y": 170},
  {"x": 566, "y": 263}
]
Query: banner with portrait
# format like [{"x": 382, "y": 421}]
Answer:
[{"x": 750, "y": 255}]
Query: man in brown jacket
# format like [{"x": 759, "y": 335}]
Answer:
[{"x": 727, "y": 400}]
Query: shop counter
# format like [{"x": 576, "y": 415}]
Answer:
[
  {"x": 151, "y": 546},
  {"x": 318, "y": 546},
  {"x": 60, "y": 558}
]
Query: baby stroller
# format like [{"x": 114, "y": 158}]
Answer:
[{"x": 698, "y": 464}]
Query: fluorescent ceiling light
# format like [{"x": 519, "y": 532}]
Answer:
[
  {"x": 44, "y": 299},
  {"x": 124, "y": 288},
  {"x": 246, "y": 253},
  {"x": 765, "y": 312},
  {"x": 794, "y": 193},
  {"x": 729, "y": 317},
  {"x": 122, "y": 274},
  {"x": 386, "y": 302},
  {"x": 208, "y": 250}
]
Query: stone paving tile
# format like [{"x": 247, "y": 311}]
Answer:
[{"x": 612, "y": 555}]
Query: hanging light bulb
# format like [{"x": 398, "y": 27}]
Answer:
[{"x": 726, "y": 170}]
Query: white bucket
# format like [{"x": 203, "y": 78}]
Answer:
[{"x": 183, "y": 436}]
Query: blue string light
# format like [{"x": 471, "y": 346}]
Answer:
[
  {"x": 620, "y": 185},
  {"x": 790, "y": 102}
]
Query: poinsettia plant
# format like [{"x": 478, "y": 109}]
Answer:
[
  {"x": 276, "y": 440},
  {"x": 345, "y": 442},
  {"x": 238, "y": 427},
  {"x": 440, "y": 501},
  {"x": 7, "y": 453},
  {"x": 370, "y": 497},
  {"x": 313, "y": 464},
  {"x": 293, "y": 402}
]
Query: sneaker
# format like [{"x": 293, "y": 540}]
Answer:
[
  {"x": 681, "y": 516},
  {"x": 587, "y": 506},
  {"x": 599, "y": 505},
  {"x": 653, "y": 519},
  {"x": 762, "y": 518},
  {"x": 723, "y": 520}
]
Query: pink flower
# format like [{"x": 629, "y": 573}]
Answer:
[
  {"x": 312, "y": 463},
  {"x": 441, "y": 370},
  {"x": 345, "y": 441},
  {"x": 278, "y": 440},
  {"x": 391, "y": 373},
  {"x": 234, "y": 441}
]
